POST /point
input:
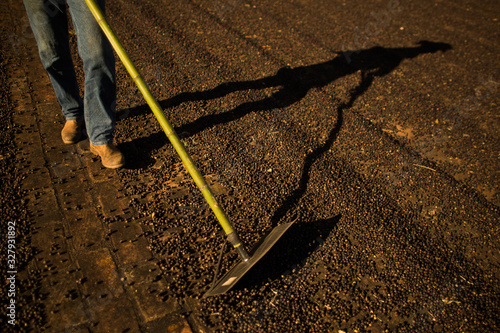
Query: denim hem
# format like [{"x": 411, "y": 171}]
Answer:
[
  {"x": 74, "y": 118},
  {"x": 100, "y": 143}
]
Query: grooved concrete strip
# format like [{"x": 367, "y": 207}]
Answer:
[{"x": 92, "y": 261}]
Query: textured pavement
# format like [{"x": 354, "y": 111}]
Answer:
[{"x": 93, "y": 264}]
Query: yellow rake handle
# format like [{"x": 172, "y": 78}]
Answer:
[{"x": 168, "y": 129}]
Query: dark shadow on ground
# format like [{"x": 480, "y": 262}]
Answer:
[
  {"x": 138, "y": 158},
  {"x": 295, "y": 82},
  {"x": 377, "y": 61},
  {"x": 290, "y": 252},
  {"x": 294, "y": 85}
]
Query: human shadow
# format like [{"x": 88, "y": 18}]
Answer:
[
  {"x": 294, "y": 84},
  {"x": 373, "y": 62}
]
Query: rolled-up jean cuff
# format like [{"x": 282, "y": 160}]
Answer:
[
  {"x": 73, "y": 118},
  {"x": 100, "y": 143}
]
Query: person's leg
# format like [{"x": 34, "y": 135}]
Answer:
[
  {"x": 99, "y": 69},
  {"x": 49, "y": 24}
]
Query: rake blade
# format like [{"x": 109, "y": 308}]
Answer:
[{"x": 238, "y": 271}]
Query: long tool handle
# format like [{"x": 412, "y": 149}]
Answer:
[{"x": 169, "y": 130}]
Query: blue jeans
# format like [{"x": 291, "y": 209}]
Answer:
[{"x": 48, "y": 21}]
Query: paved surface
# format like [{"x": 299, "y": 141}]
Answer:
[
  {"x": 91, "y": 264},
  {"x": 374, "y": 126}
]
